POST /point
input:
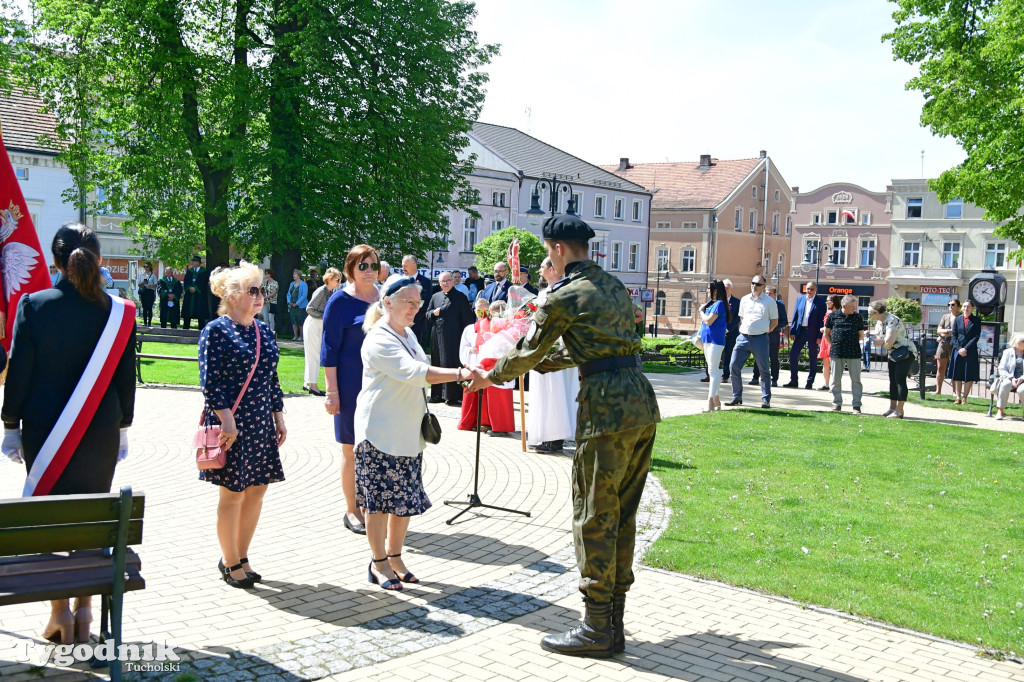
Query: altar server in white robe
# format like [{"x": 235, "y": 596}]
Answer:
[{"x": 551, "y": 419}]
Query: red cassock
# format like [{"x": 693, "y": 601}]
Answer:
[{"x": 496, "y": 410}]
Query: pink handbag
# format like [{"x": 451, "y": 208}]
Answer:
[{"x": 210, "y": 454}]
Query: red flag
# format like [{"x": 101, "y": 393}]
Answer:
[
  {"x": 22, "y": 264},
  {"x": 513, "y": 260}
]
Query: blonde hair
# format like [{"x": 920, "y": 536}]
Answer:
[
  {"x": 1016, "y": 338},
  {"x": 377, "y": 311},
  {"x": 497, "y": 308},
  {"x": 226, "y": 283},
  {"x": 332, "y": 273}
]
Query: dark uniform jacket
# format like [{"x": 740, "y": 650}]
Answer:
[{"x": 592, "y": 312}]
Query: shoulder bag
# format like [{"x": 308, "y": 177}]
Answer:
[
  {"x": 210, "y": 454},
  {"x": 430, "y": 428}
]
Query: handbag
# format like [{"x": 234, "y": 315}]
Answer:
[
  {"x": 695, "y": 340},
  {"x": 899, "y": 354},
  {"x": 430, "y": 428},
  {"x": 210, "y": 454}
]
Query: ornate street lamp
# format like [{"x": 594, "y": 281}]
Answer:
[
  {"x": 556, "y": 186},
  {"x": 812, "y": 259}
]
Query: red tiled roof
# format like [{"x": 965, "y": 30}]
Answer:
[
  {"x": 24, "y": 123},
  {"x": 686, "y": 184}
]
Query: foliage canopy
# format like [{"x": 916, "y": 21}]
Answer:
[{"x": 494, "y": 249}]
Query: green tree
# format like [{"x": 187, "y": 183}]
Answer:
[
  {"x": 907, "y": 309},
  {"x": 290, "y": 128},
  {"x": 971, "y": 59},
  {"x": 494, "y": 249}
]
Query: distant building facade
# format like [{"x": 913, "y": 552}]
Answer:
[
  {"x": 850, "y": 229},
  {"x": 711, "y": 219}
]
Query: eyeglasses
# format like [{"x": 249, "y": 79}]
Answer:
[
  {"x": 258, "y": 291},
  {"x": 757, "y": 284},
  {"x": 954, "y": 305},
  {"x": 364, "y": 266}
]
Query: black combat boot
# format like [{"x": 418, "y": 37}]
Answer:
[
  {"x": 591, "y": 638},
  {"x": 618, "y": 608}
]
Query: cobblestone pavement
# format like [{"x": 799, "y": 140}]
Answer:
[{"x": 493, "y": 583}]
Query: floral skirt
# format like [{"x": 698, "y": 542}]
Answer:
[{"x": 387, "y": 484}]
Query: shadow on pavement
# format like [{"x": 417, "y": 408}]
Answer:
[
  {"x": 480, "y": 549},
  {"x": 699, "y": 653}
]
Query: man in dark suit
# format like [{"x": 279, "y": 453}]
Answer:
[
  {"x": 732, "y": 331},
  {"x": 805, "y": 330},
  {"x": 774, "y": 340},
  {"x": 448, "y": 315},
  {"x": 419, "y": 323},
  {"x": 498, "y": 289},
  {"x": 524, "y": 277}
]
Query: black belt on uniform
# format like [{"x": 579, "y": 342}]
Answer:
[{"x": 607, "y": 365}]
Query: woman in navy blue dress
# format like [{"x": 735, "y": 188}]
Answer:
[
  {"x": 963, "y": 366},
  {"x": 343, "y": 365},
  {"x": 252, "y": 435}
]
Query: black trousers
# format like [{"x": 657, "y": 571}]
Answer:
[
  {"x": 730, "y": 343},
  {"x": 146, "y": 298},
  {"x": 169, "y": 316},
  {"x": 898, "y": 378}
]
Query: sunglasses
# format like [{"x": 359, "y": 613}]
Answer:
[
  {"x": 757, "y": 284},
  {"x": 363, "y": 267},
  {"x": 258, "y": 291}
]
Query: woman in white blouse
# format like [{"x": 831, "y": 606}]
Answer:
[
  {"x": 1011, "y": 373},
  {"x": 389, "y": 409}
]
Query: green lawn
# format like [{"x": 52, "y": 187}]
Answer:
[
  {"x": 974, "y": 403},
  {"x": 912, "y": 523},
  {"x": 290, "y": 368}
]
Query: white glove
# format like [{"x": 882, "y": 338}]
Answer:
[
  {"x": 12, "y": 445},
  {"x": 122, "y": 446}
]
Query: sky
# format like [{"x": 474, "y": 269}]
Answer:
[{"x": 810, "y": 81}]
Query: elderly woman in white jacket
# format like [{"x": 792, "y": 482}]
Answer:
[
  {"x": 1011, "y": 374},
  {"x": 389, "y": 409}
]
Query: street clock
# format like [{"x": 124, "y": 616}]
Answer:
[{"x": 987, "y": 291}]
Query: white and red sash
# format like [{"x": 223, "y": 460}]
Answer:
[{"x": 67, "y": 433}]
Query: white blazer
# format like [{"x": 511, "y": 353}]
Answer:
[{"x": 1006, "y": 363}]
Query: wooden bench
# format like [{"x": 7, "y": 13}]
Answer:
[
  {"x": 64, "y": 546},
  {"x": 186, "y": 337}
]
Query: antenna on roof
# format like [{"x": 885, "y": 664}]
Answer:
[{"x": 529, "y": 113}]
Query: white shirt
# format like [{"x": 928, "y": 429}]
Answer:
[
  {"x": 469, "y": 358},
  {"x": 808, "y": 302},
  {"x": 390, "y": 407},
  {"x": 756, "y": 314}
]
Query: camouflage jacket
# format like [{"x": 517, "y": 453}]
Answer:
[{"x": 591, "y": 311}]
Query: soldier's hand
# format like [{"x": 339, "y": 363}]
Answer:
[{"x": 480, "y": 380}]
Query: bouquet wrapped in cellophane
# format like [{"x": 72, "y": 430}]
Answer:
[{"x": 499, "y": 334}]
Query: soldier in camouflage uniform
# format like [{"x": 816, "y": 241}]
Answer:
[{"x": 591, "y": 311}]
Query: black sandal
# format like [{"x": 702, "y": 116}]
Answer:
[
  {"x": 225, "y": 573},
  {"x": 256, "y": 577},
  {"x": 393, "y": 585},
  {"x": 408, "y": 577}
]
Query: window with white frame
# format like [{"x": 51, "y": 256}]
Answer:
[
  {"x": 637, "y": 211},
  {"x": 832, "y": 216},
  {"x": 867, "y": 253},
  {"x": 995, "y": 255},
  {"x": 619, "y": 207},
  {"x": 659, "y": 303},
  {"x": 686, "y": 305},
  {"x": 914, "y": 207},
  {"x": 663, "y": 224},
  {"x": 865, "y": 218},
  {"x": 596, "y": 252},
  {"x": 497, "y": 198},
  {"x": 577, "y": 202},
  {"x": 911, "y": 254},
  {"x": 775, "y": 223},
  {"x": 848, "y": 216},
  {"x": 789, "y": 225},
  {"x": 811, "y": 250},
  {"x": 599, "y": 205},
  {"x": 753, "y": 192},
  {"x": 838, "y": 255},
  {"x": 662, "y": 259},
  {"x": 634, "y": 257},
  {"x": 21, "y": 173},
  {"x": 469, "y": 229},
  {"x": 951, "y": 254},
  {"x": 767, "y": 264},
  {"x": 815, "y": 219},
  {"x": 497, "y": 224},
  {"x": 687, "y": 259},
  {"x": 737, "y": 223},
  {"x": 689, "y": 224},
  {"x": 616, "y": 256},
  {"x": 782, "y": 264},
  {"x": 752, "y": 221},
  {"x": 778, "y": 195},
  {"x": 955, "y": 209}
]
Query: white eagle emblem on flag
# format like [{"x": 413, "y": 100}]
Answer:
[{"x": 18, "y": 259}]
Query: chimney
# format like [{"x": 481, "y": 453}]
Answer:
[
  {"x": 624, "y": 163},
  {"x": 796, "y": 189},
  {"x": 705, "y": 160},
  {"x": 764, "y": 153}
]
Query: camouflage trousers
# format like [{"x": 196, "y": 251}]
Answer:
[{"x": 608, "y": 477}]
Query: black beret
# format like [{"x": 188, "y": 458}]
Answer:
[{"x": 567, "y": 227}]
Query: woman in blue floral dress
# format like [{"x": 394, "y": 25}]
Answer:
[{"x": 252, "y": 435}]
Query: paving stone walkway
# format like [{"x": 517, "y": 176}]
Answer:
[{"x": 493, "y": 583}]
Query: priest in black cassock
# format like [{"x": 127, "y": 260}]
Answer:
[{"x": 448, "y": 314}]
